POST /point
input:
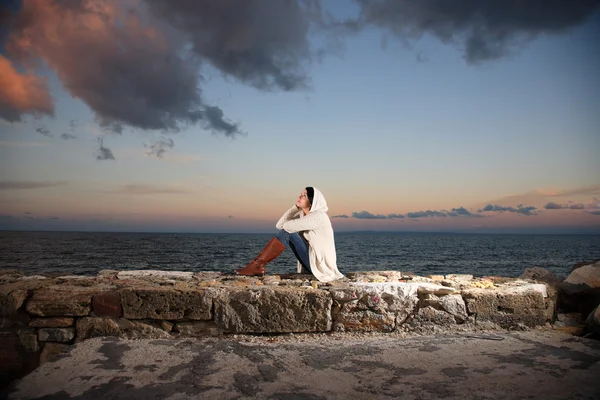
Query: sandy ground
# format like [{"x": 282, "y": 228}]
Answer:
[{"x": 538, "y": 364}]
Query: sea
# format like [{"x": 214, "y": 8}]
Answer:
[{"x": 87, "y": 253}]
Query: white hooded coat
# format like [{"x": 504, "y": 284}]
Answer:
[{"x": 316, "y": 228}]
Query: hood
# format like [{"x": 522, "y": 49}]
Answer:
[{"x": 319, "y": 203}]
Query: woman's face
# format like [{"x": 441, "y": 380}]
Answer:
[{"x": 303, "y": 200}]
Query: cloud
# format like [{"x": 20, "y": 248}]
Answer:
[
  {"x": 44, "y": 131},
  {"x": 160, "y": 147},
  {"x": 19, "y": 185},
  {"x": 67, "y": 136},
  {"x": 593, "y": 212},
  {"x": 152, "y": 59},
  {"x": 340, "y": 216},
  {"x": 22, "y": 94},
  {"x": 143, "y": 189},
  {"x": 483, "y": 30},
  {"x": 367, "y": 215},
  {"x": 521, "y": 209},
  {"x": 428, "y": 213},
  {"x": 103, "y": 153},
  {"x": 395, "y": 216},
  {"x": 5, "y": 143},
  {"x": 576, "y": 206},
  {"x": 553, "y": 206},
  {"x": 230, "y": 216}
]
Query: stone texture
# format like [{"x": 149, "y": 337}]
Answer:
[
  {"x": 53, "y": 322},
  {"x": 15, "y": 361},
  {"x": 163, "y": 303},
  {"x": 580, "y": 292},
  {"x": 155, "y": 274},
  {"x": 198, "y": 328},
  {"x": 541, "y": 275},
  {"x": 120, "y": 327},
  {"x": 454, "y": 305},
  {"x": 592, "y": 323},
  {"x": 28, "y": 341},
  {"x": 11, "y": 302},
  {"x": 61, "y": 335},
  {"x": 588, "y": 275},
  {"x": 107, "y": 304},
  {"x": 59, "y": 301},
  {"x": 373, "y": 307},
  {"x": 506, "y": 308},
  {"x": 52, "y": 350},
  {"x": 166, "y": 325},
  {"x": 272, "y": 309},
  {"x": 429, "y": 315}
]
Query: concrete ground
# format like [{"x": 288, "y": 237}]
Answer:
[{"x": 538, "y": 364}]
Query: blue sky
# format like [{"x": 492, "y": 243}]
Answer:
[{"x": 383, "y": 127}]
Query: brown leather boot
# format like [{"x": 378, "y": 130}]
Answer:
[{"x": 268, "y": 254}]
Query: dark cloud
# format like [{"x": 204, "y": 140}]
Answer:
[
  {"x": 67, "y": 136},
  {"x": 395, "y": 216},
  {"x": 483, "y": 29},
  {"x": 230, "y": 216},
  {"x": 576, "y": 206},
  {"x": 428, "y": 213},
  {"x": 521, "y": 209},
  {"x": 151, "y": 59},
  {"x": 340, "y": 216},
  {"x": 593, "y": 212},
  {"x": 12, "y": 185},
  {"x": 44, "y": 131},
  {"x": 461, "y": 211},
  {"x": 367, "y": 215},
  {"x": 160, "y": 147},
  {"x": 553, "y": 206},
  {"x": 103, "y": 153}
]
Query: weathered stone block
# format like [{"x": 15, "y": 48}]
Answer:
[
  {"x": 273, "y": 309},
  {"x": 60, "y": 302},
  {"x": 61, "y": 335},
  {"x": 373, "y": 307},
  {"x": 28, "y": 341},
  {"x": 433, "y": 316},
  {"x": 120, "y": 327},
  {"x": 11, "y": 302},
  {"x": 107, "y": 304},
  {"x": 506, "y": 308},
  {"x": 198, "y": 328},
  {"x": 53, "y": 322},
  {"x": 52, "y": 351},
  {"x": 162, "y": 303}
]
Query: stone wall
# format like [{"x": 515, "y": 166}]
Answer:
[{"x": 42, "y": 316}]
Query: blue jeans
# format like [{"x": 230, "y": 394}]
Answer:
[{"x": 297, "y": 244}]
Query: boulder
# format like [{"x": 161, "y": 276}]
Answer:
[
  {"x": 592, "y": 323},
  {"x": 107, "y": 304},
  {"x": 165, "y": 303},
  {"x": 580, "y": 292},
  {"x": 272, "y": 309},
  {"x": 60, "y": 301},
  {"x": 541, "y": 275}
]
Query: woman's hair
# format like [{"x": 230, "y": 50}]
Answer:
[{"x": 310, "y": 193}]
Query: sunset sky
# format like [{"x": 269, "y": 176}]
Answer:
[{"x": 202, "y": 116}]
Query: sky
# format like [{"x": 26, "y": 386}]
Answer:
[{"x": 202, "y": 116}]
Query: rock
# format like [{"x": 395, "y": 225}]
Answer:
[
  {"x": 592, "y": 322},
  {"x": 107, "y": 304},
  {"x": 108, "y": 274},
  {"x": 454, "y": 305},
  {"x": 120, "y": 327},
  {"x": 582, "y": 263},
  {"x": 580, "y": 292},
  {"x": 588, "y": 275},
  {"x": 571, "y": 323},
  {"x": 52, "y": 350},
  {"x": 272, "y": 309},
  {"x": 198, "y": 328},
  {"x": 505, "y": 307},
  {"x": 155, "y": 274},
  {"x": 459, "y": 277},
  {"x": 540, "y": 275},
  {"x": 429, "y": 315},
  {"x": 61, "y": 335},
  {"x": 373, "y": 307},
  {"x": 59, "y": 301},
  {"x": 436, "y": 277},
  {"x": 166, "y": 325},
  {"x": 11, "y": 302},
  {"x": 55, "y": 322},
  {"x": 164, "y": 303},
  {"x": 28, "y": 341}
]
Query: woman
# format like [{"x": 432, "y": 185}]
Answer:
[{"x": 307, "y": 230}]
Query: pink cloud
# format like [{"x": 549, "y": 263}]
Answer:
[{"x": 22, "y": 93}]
